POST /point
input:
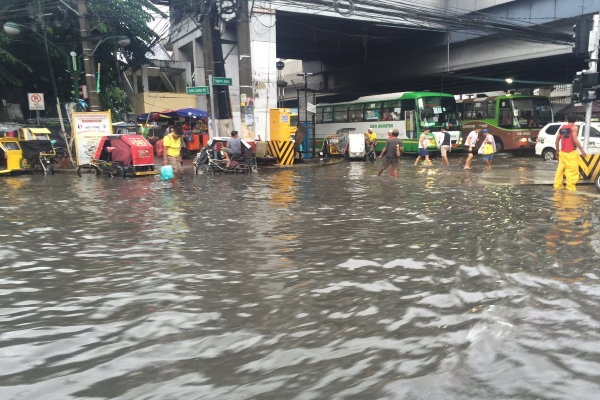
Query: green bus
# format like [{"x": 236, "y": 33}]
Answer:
[
  {"x": 409, "y": 112},
  {"x": 514, "y": 120}
]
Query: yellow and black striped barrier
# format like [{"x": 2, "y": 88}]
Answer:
[
  {"x": 589, "y": 167},
  {"x": 283, "y": 151}
]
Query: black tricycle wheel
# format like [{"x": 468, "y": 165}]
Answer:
[
  {"x": 87, "y": 169},
  {"x": 241, "y": 169},
  {"x": 121, "y": 172}
]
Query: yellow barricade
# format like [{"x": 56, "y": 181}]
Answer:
[
  {"x": 589, "y": 167},
  {"x": 283, "y": 151}
]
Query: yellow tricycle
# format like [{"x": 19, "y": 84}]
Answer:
[{"x": 30, "y": 150}]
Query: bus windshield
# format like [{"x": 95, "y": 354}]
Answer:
[
  {"x": 532, "y": 112},
  {"x": 436, "y": 112}
]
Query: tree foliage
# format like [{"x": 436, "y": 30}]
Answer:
[{"x": 23, "y": 60}]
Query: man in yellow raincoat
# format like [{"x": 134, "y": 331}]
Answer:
[{"x": 566, "y": 152}]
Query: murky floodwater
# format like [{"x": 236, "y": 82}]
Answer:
[{"x": 306, "y": 284}]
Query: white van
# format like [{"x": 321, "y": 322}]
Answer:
[{"x": 547, "y": 138}]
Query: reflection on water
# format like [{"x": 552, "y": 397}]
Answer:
[{"x": 311, "y": 283}]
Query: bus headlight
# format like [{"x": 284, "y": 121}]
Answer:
[{"x": 523, "y": 140}]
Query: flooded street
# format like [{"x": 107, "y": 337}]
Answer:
[{"x": 311, "y": 283}]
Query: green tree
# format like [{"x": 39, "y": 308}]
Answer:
[
  {"x": 23, "y": 58},
  {"x": 9, "y": 63}
]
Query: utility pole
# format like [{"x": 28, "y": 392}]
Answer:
[
  {"x": 89, "y": 61},
  {"x": 209, "y": 64},
  {"x": 245, "y": 67},
  {"x": 224, "y": 105}
]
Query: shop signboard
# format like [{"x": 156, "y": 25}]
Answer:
[{"x": 88, "y": 129}]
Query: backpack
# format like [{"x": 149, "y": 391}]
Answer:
[{"x": 160, "y": 148}]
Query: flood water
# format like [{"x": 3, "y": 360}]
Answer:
[{"x": 316, "y": 283}]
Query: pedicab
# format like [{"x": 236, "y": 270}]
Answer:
[
  {"x": 210, "y": 159},
  {"x": 37, "y": 148},
  {"x": 336, "y": 145},
  {"x": 121, "y": 155},
  {"x": 30, "y": 150}
]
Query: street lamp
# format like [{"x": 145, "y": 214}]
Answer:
[
  {"x": 122, "y": 41},
  {"x": 12, "y": 29}
]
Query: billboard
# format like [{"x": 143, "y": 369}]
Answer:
[{"x": 88, "y": 129}]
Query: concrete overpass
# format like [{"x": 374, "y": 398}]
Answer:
[
  {"x": 455, "y": 46},
  {"x": 360, "y": 56}
]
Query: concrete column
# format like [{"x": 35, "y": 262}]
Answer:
[
  {"x": 188, "y": 75},
  {"x": 264, "y": 71},
  {"x": 207, "y": 48},
  {"x": 134, "y": 78},
  {"x": 245, "y": 71},
  {"x": 201, "y": 101},
  {"x": 145, "y": 83}
]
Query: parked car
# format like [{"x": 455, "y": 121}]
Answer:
[{"x": 547, "y": 138}]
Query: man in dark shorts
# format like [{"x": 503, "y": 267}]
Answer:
[
  {"x": 471, "y": 142},
  {"x": 392, "y": 159}
]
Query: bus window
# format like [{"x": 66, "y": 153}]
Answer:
[
  {"x": 505, "y": 118},
  {"x": 490, "y": 109},
  {"x": 437, "y": 111},
  {"x": 328, "y": 114},
  {"x": 373, "y": 112},
  {"x": 468, "y": 113},
  {"x": 478, "y": 111},
  {"x": 318, "y": 116},
  {"x": 391, "y": 111},
  {"x": 355, "y": 112},
  {"x": 524, "y": 113},
  {"x": 340, "y": 114},
  {"x": 543, "y": 111}
]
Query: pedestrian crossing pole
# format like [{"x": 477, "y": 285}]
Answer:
[{"x": 593, "y": 68}]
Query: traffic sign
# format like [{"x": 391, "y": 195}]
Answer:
[
  {"x": 222, "y": 81},
  {"x": 36, "y": 101},
  {"x": 197, "y": 90}
]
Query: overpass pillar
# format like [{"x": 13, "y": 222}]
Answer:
[{"x": 264, "y": 72}]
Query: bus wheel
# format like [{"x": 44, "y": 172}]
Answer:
[
  {"x": 499, "y": 144},
  {"x": 549, "y": 154}
]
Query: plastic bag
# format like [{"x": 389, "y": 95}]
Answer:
[
  {"x": 166, "y": 172},
  {"x": 488, "y": 149},
  {"x": 399, "y": 150}
]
